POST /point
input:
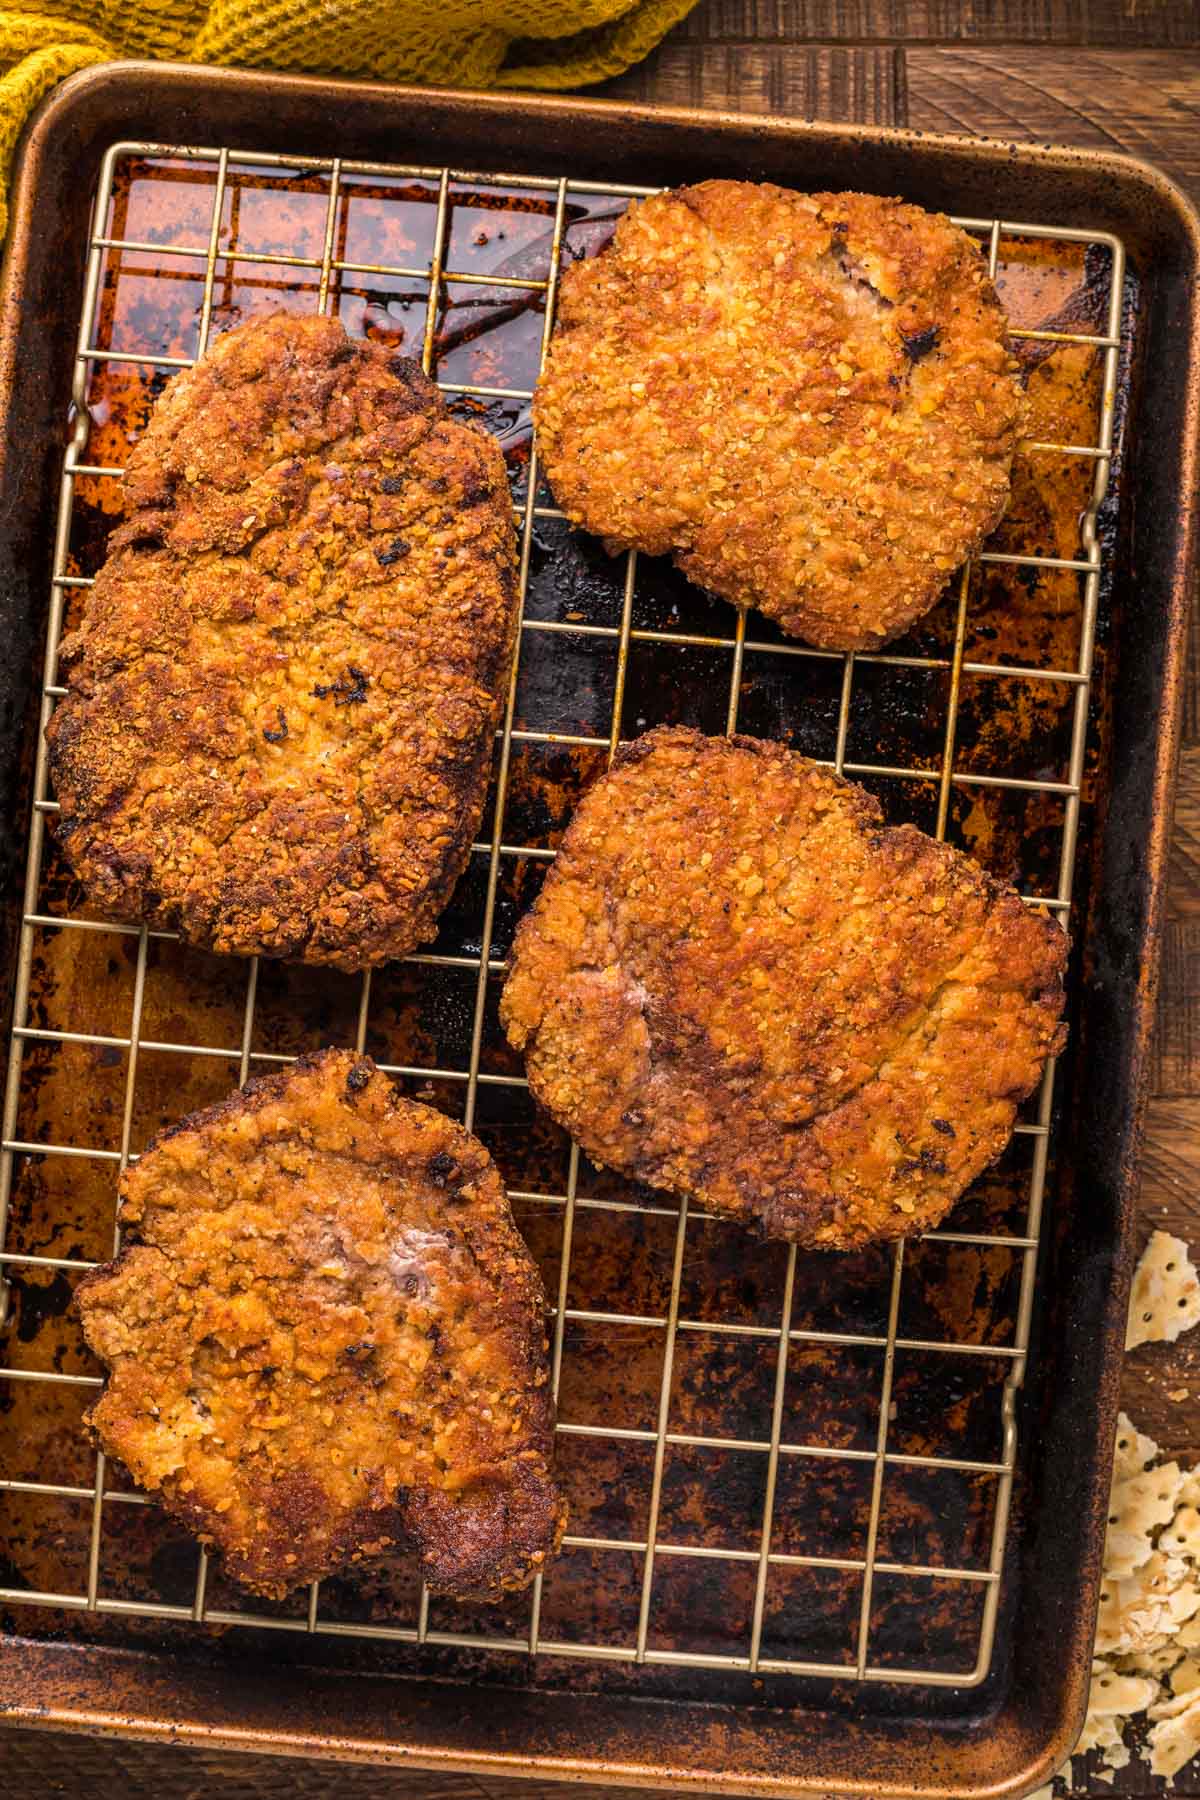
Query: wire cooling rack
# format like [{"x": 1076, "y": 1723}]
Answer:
[{"x": 322, "y": 271}]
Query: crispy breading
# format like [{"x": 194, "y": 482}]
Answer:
[
  {"x": 738, "y": 984},
  {"x": 283, "y": 694},
  {"x": 808, "y": 398},
  {"x": 328, "y": 1338}
]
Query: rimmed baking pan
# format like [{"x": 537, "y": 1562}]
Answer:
[{"x": 836, "y": 1521}]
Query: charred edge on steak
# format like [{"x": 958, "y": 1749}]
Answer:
[
  {"x": 440, "y": 1168},
  {"x": 920, "y": 343},
  {"x": 395, "y": 550},
  {"x": 927, "y": 1161},
  {"x": 349, "y": 688},
  {"x": 851, "y": 269}
]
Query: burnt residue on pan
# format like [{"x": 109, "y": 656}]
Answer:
[{"x": 486, "y": 333}]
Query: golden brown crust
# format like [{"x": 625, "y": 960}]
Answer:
[
  {"x": 283, "y": 694},
  {"x": 807, "y": 397},
  {"x": 329, "y": 1338},
  {"x": 739, "y": 985}
]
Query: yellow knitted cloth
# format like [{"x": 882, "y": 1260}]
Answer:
[{"x": 454, "y": 43}]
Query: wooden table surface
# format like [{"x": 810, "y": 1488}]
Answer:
[{"x": 1122, "y": 74}]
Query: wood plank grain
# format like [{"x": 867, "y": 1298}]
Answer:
[
  {"x": 87, "y": 1766},
  {"x": 799, "y": 81},
  {"x": 1125, "y": 24},
  {"x": 34, "y": 1764},
  {"x": 1176, "y": 1064},
  {"x": 1184, "y": 894},
  {"x": 1170, "y": 1202},
  {"x": 1143, "y": 102},
  {"x": 1176, "y": 1053}
]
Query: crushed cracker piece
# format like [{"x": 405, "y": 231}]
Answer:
[
  {"x": 1149, "y": 1627},
  {"x": 1186, "y": 1676},
  {"x": 1112, "y": 1695},
  {"x": 1137, "y": 1507},
  {"x": 1149, "y": 1662},
  {"x": 1139, "y": 1612},
  {"x": 1175, "y": 1735},
  {"x": 1100, "y": 1734},
  {"x": 1134, "y": 1450},
  {"x": 1182, "y": 1536},
  {"x": 1165, "y": 1301}
]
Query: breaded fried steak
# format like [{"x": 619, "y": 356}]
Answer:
[
  {"x": 808, "y": 398},
  {"x": 283, "y": 694},
  {"x": 328, "y": 1338},
  {"x": 738, "y": 984}
]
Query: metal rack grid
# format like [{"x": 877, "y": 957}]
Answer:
[{"x": 943, "y": 776}]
